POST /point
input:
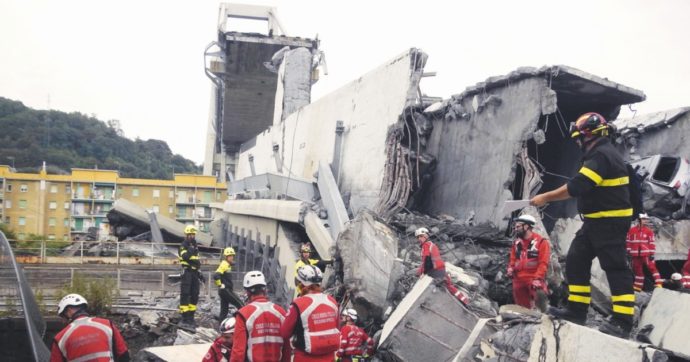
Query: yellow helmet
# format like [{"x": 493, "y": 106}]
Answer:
[
  {"x": 305, "y": 248},
  {"x": 190, "y": 229},
  {"x": 228, "y": 251}
]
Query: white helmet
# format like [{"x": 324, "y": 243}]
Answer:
[
  {"x": 421, "y": 231},
  {"x": 643, "y": 216},
  {"x": 254, "y": 278},
  {"x": 70, "y": 300},
  {"x": 527, "y": 219},
  {"x": 676, "y": 276},
  {"x": 309, "y": 274},
  {"x": 350, "y": 313},
  {"x": 227, "y": 326}
]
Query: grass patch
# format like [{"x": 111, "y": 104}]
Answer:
[{"x": 99, "y": 293}]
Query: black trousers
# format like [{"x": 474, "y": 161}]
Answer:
[
  {"x": 228, "y": 297},
  {"x": 603, "y": 239},
  {"x": 189, "y": 290}
]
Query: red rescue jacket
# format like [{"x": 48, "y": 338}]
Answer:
[
  {"x": 354, "y": 341},
  {"x": 257, "y": 332},
  {"x": 530, "y": 258},
  {"x": 431, "y": 258},
  {"x": 640, "y": 241},
  {"x": 88, "y": 339},
  {"x": 218, "y": 352},
  {"x": 313, "y": 318}
]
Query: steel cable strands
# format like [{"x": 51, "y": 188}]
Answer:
[{"x": 18, "y": 344}]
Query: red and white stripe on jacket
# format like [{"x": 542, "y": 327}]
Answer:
[{"x": 640, "y": 241}]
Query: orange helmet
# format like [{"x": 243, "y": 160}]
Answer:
[{"x": 589, "y": 124}]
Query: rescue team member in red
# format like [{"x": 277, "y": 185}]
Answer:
[
  {"x": 529, "y": 260},
  {"x": 686, "y": 272},
  {"x": 220, "y": 348},
  {"x": 641, "y": 247},
  {"x": 86, "y": 338},
  {"x": 355, "y": 344},
  {"x": 603, "y": 199},
  {"x": 257, "y": 332},
  {"x": 433, "y": 265},
  {"x": 312, "y": 320}
]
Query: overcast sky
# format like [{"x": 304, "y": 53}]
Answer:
[{"x": 140, "y": 62}]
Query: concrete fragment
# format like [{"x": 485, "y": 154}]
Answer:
[
  {"x": 178, "y": 353},
  {"x": 669, "y": 314},
  {"x": 428, "y": 316},
  {"x": 556, "y": 340},
  {"x": 368, "y": 250}
]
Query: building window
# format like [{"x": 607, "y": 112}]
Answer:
[
  {"x": 7, "y": 219},
  {"x": 52, "y": 205},
  {"x": 51, "y": 236},
  {"x": 135, "y": 192},
  {"x": 218, "y": 193},
  {"x": 66, "y": 205},
  {"x": 8, "y": 204},
  {"x": 171, "y": 194},
  {"x": 65, "y": 222},
  {"x": 68, "y": 189},
  {"x": 22, "y": 221},
  {"x": 170, "y": 210},
  {"x": 51, "y": 221},
  {"x": 9, "y": 187},
  {"x": 23, "y": 188},
  {"x": 65, "y": 237},
  {"x": 156, "y": 209},
  {"x": 53, "y": 189},
  {"x": 156, "y": 193},
  {"x": 22, "y": 204}
]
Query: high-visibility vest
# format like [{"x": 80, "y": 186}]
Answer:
[
  {"x": 354, "y": 341},
  {"x": 527, "y": 259},
  {"x": 430, "y": 250},
  {"x": 87, "y": 339},
  {"x": 319, "y": 317},
  {"x": 640, "y": 241},
  {"x": 263, "y": 320}
]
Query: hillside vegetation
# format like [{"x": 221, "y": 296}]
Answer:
[{"x": 74, "y": 140}]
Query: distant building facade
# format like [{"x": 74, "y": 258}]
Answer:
[{"x": 64, "y": 207}]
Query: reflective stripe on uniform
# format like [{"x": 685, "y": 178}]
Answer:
[
  {"x": 615, "y": 182},
  {"x": 580, "y": 288},
  {"x": 623, "y": 298},
  {"x": 579, "y": 299},
  {"x": 590, "y": 174},
  {"x": 610, "y": 213},
  {"x": 623, "y": 310},
  {"x": 88, "y": 322},
  {"x": 261, "y": 308},
  {"x": 316, "y": 301},
  {"x": 92, "y": 356}
]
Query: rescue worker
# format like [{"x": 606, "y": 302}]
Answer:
[
  {"x": 675, "y": 283},
  {"x": 189, "y": 286},
  {"x": 433, "y": 266},
  {"x": 601, "y": 189},
  {"x": 355, "y": 344},
  {"x": 221, "y": 347},
  {"x": 641, "y": 247},
  {"x": 686, "y": 272},
  {"x": 223, "y": 279},
  {"x": 305, "y": 259},
  {"x": 312, "y": 320},
  {"x": 257, "y": 332},
  {"x": 86, "y": 338},
  {"x": 529, "y": 261}
]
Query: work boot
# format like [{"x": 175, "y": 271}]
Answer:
[
  {"x": 616, "y": 328},
  {"x": 569, "y": 315}
]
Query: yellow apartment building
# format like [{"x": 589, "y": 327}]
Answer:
[{"x": 64, "y": 207}]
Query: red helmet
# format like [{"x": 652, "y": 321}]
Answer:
[{"x": 589, "y": 124}]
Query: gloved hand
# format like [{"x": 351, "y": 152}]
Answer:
[
  {"x": 510, "y": 272},
  {"x": 222, "y": 286},
  {"x": 537, "y": 284}
]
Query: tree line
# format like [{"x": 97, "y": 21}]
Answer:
[{"x": 74, "y": 140}]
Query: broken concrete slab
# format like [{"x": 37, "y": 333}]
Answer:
[
  {"x": 557, "y": 340},
  {"x": 368, "y": 249},
  {"x": 177, "y": 353},
  {"x": 669, "y": 314},
  {"x": 428, "y": 316}
]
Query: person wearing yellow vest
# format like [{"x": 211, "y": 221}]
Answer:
[
  {"x": 223, "y": 280},
  {"x": 188, "y": 256},
  {"x": 305, "y": 259}
]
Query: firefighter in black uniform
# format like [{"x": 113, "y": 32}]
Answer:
[
  {"x": 191, "y": 278},
  {"x": 223, "y": 279},
  {"x": 603, "y": 198}
]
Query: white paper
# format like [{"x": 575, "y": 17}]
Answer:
[{"x": 512, "y": 205}]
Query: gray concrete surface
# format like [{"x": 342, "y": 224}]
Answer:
[{"x": 669, "y": 313}]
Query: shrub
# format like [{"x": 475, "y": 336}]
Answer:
[{"x": 99, "y": 293}]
